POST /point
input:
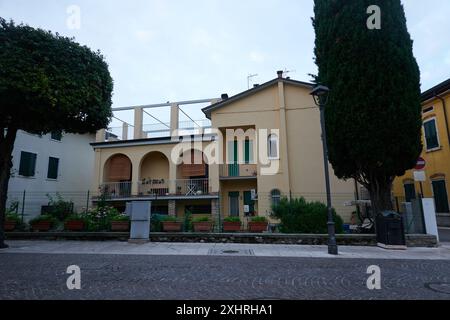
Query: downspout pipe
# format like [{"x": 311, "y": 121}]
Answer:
[{"x": 445, "y": 115}]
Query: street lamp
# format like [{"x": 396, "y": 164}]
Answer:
[{"x": 320, "y": 95}]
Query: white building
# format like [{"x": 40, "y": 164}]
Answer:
[{"x": 48, "y": 164}]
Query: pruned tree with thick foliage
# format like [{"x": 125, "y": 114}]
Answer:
[
  {"x": 47, "y": 83},
  {"x": 373, "y": 115}
]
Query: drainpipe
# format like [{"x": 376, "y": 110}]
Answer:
[{"x": 445, "y": 115}]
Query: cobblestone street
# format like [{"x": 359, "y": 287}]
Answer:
[{"x": 43, "y": 276}]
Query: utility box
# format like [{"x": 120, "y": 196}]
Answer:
[
  {"x": 140, "y": 220},
  {"x": 390, "y": 231}
]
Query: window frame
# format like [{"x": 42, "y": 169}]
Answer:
[
  {"x": 425, "y": 134},
  {"x": 275, "y": 194},
  {"x": 446, "y": 191},
  {"x": 53, "y": 139}
]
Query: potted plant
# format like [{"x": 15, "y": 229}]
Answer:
[
  {"x": 202, "y": 224},
  {"x": 120, "y": 222},
  {"x": 42, "y": 223},
  {"x": 12, "y": 221},
  {"x": 171, "y": 224},
  {"x": 74, "y": 222},
  {"x": 258, "y": 224},
  {"x": 231, "y": 224}
]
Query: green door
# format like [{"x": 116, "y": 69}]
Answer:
[
  {"x": 233, "y": 166},
  {"x": 440, "y": 196},
  {"x": 249, "y": 202},
  {"x": 233, "y": 197}
]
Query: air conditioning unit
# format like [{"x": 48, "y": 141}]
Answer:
[{"x": 254, "y": 195}]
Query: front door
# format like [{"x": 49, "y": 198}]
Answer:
[
  {"x": 233, "y": 198},
  {"x": 249, "y": 202},
  {"x": 440, "y": 196}
]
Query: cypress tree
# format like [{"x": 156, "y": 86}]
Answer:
[{"x": 373, "y": 115}]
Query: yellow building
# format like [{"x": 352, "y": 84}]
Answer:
[
  {"x": 436, "y": 153},
  {"x": 262, "y": 144}
]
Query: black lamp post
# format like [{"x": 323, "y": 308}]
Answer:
[{"x": 320, "y": 95}]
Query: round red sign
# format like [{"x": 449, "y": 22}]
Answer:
[{"x": 420, "y": 163}]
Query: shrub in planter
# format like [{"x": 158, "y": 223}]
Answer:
[
  {"x": 99, "y": 218},
  {"x": 12, "y": 220},
  {"x": 231, "y": 224},
  {"x": 301, "y": 216},
  {"x": 58, "y": 208},
  {"x": 202, "y": 224},
  {"x": 74, "y": 222},
  {"x": 171, "y": 224},
  {"x": 42, "y": 223},
  {"x": 258, "y": 224},
  {"x": 120, "y": 223}
]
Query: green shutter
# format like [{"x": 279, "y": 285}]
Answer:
[
  {"x": 431, "y": 134},
  {"x": 233, "y": 166},
  {"x": 53, "y": 164},
  {"x": 440, "y": 196},
  {"x": 248, "y": 151},
  {"x": 27, "y": 164}
]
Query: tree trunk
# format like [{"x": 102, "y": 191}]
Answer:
[
  {"x": 6, "y": 149},
  {"x": 380, "y": 196}
]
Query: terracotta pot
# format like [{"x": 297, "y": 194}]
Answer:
[
  {"x": 257, "y": 226},
  {"x": 204, "y": 226},
  {"x": 120, "y": 226},
  {"x": 231, "y": 226},
  {"x": 41, "y": 226},
  {"x": 10, "y": 225},
  {"x": 171, "y": 226},
  {"x": 74, "y": 225}
]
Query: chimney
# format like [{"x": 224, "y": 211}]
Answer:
[
  {"x": 255, "y": 85},
  {"x": 280, "y": 74},
  {"x": 224, "y": 96}
]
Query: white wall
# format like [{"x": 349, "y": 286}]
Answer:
[{"x": 75, "y": 171}]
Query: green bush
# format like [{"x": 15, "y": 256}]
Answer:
[
  {"x": 75, "y": 217},
  {"x": 120, "y": 217},
  {"x": 12, "y": 216},
  {"x": 169, "y": 219},
  {"x": 259, "y": 219},
  {"x": 201, "y": 219},
  {"x": 301, "y": 216},
  {"x": 187, "y": 223},
  {"x": 58, "y": 207},
  {"x": 99, "y": 218},
  {"x": 155, "y": 222},
  {"x": 44, "y": 217},
  {"x": 232, "y": 219}
]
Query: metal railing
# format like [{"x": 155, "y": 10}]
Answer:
[
  {"x": 156, "y": 187},
  {"x": 192, "y": 187},
  {"x": 116, "y": 189},
  {"x": 238, "y": 170}
]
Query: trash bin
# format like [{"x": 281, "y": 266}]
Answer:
[{"x": 390, "y": 232}]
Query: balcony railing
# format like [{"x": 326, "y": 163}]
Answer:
[
  {"x": 157, "y": 188},
  {"x": 192, "y": 187},
  {"x": 116, "y": 189},
  {"x": 238, "y": 170}
]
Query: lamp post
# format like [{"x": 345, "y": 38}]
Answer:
[{"x": 320, "y": 95}]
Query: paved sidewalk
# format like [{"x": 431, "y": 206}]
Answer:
[{"x": 205, "y": 249}]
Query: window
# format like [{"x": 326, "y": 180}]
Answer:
[
  {"x": 53, "y": 164},
  {"x": 248, "y": 151},
  {"x": 431, "y": 135},
  {"x": 440, "y": 196},
  {"x": 410, "y": 191},
  {"x": 429, "y": 109},
  {"x": 56, "y": 135},
  {"x": 234, "y": 203},
  {"x": 275, "y": 197},
  {"x": 272, "y": 146},
  {"x": 27, "y": 164}
]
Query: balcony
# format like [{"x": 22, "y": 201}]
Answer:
[
  {"x": 159, "y": 188},
  {"x": 238, "y": 171}
]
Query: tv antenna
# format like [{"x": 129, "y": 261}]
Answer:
[
  {"x": 249, "y": 77},
  {"x": 286, "y": 71}
]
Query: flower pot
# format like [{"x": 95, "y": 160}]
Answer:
[
  {"x": 231, "y": 226},
  {"x": 41, "y": 226},
  {"x": 74, "y": 225},
  {"x": 120, "y": 226},
  {"x": 10, "y": 225},
  {"x": 257, "y": 226},
  {"x": 171, "y": 226},
  {"x": 204, "y": 226}
]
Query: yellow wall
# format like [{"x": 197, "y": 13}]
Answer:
[{"x": 437, "y": 161}]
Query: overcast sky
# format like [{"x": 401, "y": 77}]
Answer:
[{"x": 172, "y": 50}]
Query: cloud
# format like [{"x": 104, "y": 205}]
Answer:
[{"x": 144, "y": 36}]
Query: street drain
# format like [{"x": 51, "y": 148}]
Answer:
[
  {"x": 440, "y": 287},
  {"x": 227, "y": 252}
]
